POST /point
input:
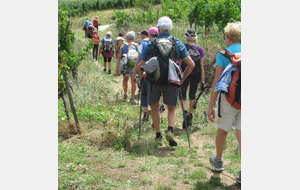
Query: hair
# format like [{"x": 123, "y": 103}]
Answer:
[
  {"x": 234, "y": 31},
  {"x": 95, "y": 31},
  {"x": 165, "y": 28},
  {"x": 154, "y": 34},
  {"x": 121, "y": 34},
  {"x": 96, "y": 16},
  {"x": 131, "y": 35},
  {"x": 190, "y": 38}
]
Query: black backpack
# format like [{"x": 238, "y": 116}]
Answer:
[
  {"x": 169, "y": 52},
  {"x": 195, "y": 55}
]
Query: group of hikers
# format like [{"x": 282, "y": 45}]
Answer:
[{"x": 165, "y": 67}]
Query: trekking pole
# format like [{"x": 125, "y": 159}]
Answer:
[
  {"x": 186, "y": 126},
  {"x": 140, "y": 92},
  {"x": 204, "y": 87}
]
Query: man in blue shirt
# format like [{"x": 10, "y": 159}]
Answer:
[
  {"x": 86, "y": 25},
  {"x": 230, "y": 115},
  {"x": 170, "y": 94}
]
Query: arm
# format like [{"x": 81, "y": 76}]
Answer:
[
  {"x": 180, "y": 62},
  {"x": 190, "y": 66},
  {"x": 202, "y": 70},
  {"x": 139, "y": 69},
  {"x": 135, "y": 68},
  {"x": 214, "y": 95},
  {"x": 101, "y": 47},
  {"x": 119, "y": 59}
]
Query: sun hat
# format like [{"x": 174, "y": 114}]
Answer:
[
  {"x": 191, "y": 33},
  {"x": 153, "y": 30},
  {"x": 165, "y": 22},
  {"x": 143, "y": 32}
]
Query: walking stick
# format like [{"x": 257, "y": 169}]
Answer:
[
  {"x": 186, "y": 126},
  {"x": 140, "y": 92},
  {"x": 203, "y": 87}
]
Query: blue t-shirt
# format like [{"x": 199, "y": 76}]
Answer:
[
  {"x": 102, "y": 41},
  {"x": 125, "y": 48},
  {"x": 181, "y": 50},
  {"x": 143, "y": 44},
  {"x": 224, "y": 61},
  {"x": 86, "y": 23}
]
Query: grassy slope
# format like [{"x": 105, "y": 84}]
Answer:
[{"x": 108, "y": 156}]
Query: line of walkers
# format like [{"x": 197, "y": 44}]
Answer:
[{"x": 157, "y": 61}]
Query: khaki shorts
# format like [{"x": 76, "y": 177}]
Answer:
[{"x": 231, "y": 117}]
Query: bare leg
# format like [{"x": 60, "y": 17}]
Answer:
[
  {"x": 125, "y": 83},
  {"x": 238, "y": 137},
  {"x": 192, "y": 102},
  {"x": 184, "y": 105},
  {"x": 171, "y": 115},
  {"x": 109, "y": 65},
  {"x": 155, "y": 116},
  {"x": 104, "y": 65},
  {"x": 133, "y": 88},
  {"x": 220, "y": 142}
]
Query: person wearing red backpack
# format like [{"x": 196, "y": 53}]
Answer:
[
  {"x": 96, "y": 45},
  {"x": 227, "y": 115},
  {"x": 96, "y": 22}
]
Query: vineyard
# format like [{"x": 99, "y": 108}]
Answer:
[{"x": 98, "y": 145}]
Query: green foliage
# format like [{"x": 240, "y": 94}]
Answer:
[
  {"x": 198, "y": 175},
  {"x": 175, "y": 9},
  {"x": 79, "y": 7}
]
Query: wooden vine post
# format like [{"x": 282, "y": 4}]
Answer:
[
  {"x": 69, "y": 91},
  {"x": 61, "y": 94}
]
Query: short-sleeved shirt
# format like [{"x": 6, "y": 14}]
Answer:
[
  {"x": 102, "y": 41},
  {"x": 224, "y": 61},
  {"x": 146, "y": 39},
  {"x": 181, "y": 50},
  {"x": 141, "y": 49}
]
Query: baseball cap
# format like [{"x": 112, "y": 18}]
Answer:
[
  {"x": 165, "y": 22},
  {"x": 143, "y": 32},
  {"x": 191, "y": 33},
  {"x": 152, "y": 30}
]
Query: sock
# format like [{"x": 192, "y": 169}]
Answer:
[
  {"x": 218, "y": 158},
  {"x": 158, "y": 135},
  {"x": 170, "y": 129}
]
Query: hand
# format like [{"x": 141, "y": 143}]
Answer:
[
  {"x": 117, "y": 70},
  {"x": 211, "y": 114}
]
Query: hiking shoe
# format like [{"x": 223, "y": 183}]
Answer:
[
  {"x": 162, "y": 108},
  {"x": 145, "y": 118},
  {"x": 239, "y": 179},
  {"x": 104, "y": 69},
  {"x": 109, "y": 72},
  {"x": 189, "y": 119},
  {"x": 125, "y": 96},
  {"x": 170, "y": 137},
  {"x": 216, "y": 163},
  {"x": 159, "y": 140},
  {"x": 131, "y": 100}
]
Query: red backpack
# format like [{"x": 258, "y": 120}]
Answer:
[
  {"x": 96, "y": 39},
  {"x": 95, "y": 22},
  {"x": 233, "y": 96}
]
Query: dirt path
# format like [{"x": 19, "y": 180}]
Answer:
[{"x": 102, "y": 28}]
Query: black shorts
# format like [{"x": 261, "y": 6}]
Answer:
[{"x": 107, "y": 59}]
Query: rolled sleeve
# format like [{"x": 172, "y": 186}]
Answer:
[
  {"x": 147, "y": 50},
  {"x": 181, "y": 50}
]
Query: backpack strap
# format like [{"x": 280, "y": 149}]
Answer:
[
  {"x": 226, "y": 53},
  {"x": 219, "y": 103}
]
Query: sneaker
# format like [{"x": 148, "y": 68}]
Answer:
[
  {"x": 216, "y": 163},
  {"x": 131, "y": 100},
  {"x": 109, "y": 72},
  {"x": 145, "y": 118},
  {"x": 159, "y": 140},
  {"x": 170, "y": 137},
  {"x": 162, "y": 108},
  {"x": 104, "y": 69},
  {"x": 239, "y": 179},
  {"x": 125, "y": 96}
]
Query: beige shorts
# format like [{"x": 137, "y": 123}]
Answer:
[{"x": 231, "y": 117}]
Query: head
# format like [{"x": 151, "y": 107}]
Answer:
[
  {"x": 121, "y": 32},
  {"x": 233, "y": 33},
  {"x": 130, "y": 35},
  {"x": 143, "y": 34},
  {"x": 190, "y": 36},
  {"x": 95, "y": 32},
  {"x": 108, "y": 34},
  {"x": 153, "y": 33},
  {"x": 96, "y": 17},
  {"x": 87, "y": 18},
  {"x": 165, "y": 25}
]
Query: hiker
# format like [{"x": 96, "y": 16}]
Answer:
[
  {"x": 173, "y": 50},
  {"x": 129, "y": 51},
  {"x": 107, "y": 50},
  {"x": 119, "y": 41},
  {"x": 230, "y": 116},
  {"x": 153, "y": 33},
  {"x": 86, "y": 26},
  {"x": 144, "y": 36},
  {"x": 96, "y": 45},
  {"x": 197, "y": 75},
  {"x": 90, "y": 30},
  {"x": 96, "y": 22}
]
